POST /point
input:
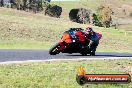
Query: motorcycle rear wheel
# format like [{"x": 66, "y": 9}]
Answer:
[{"x": 84, "y": 54}]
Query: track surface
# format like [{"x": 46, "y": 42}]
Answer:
[{"x": 23, "y": 55}]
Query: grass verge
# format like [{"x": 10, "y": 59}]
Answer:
[
  {"x": 60, "y": 74},
  {"x": 19, "y": 29}
]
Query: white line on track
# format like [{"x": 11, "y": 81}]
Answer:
[{"x": 78, "y": 59}]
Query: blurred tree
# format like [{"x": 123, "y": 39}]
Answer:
[
  {"x": 104, "y": 13},
  {"x": 53, "y": 10},
  {"x": 1, "y": 3}
]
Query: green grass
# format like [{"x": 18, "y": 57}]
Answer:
[
  {"x": 60, "y": 74},
  {"x": 91, "y": 4},
  {"x": 27, "y": 45},
  {"x": 66, "y": 4},
  {"x": 19, "y": 29}
]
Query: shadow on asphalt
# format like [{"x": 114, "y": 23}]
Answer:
[
  {"x": 114, "y": 55},
  {"x": 108, "y": 54}
]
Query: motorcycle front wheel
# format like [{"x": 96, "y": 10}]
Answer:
[{"x": 54, "y": 50}]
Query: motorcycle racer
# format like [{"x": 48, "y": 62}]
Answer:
[{"x": 94, "y": 38}]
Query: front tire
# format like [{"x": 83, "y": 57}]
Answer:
[{"x": 54, "y": 50}]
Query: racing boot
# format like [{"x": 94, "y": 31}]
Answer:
[{"x": 92, "y": 53}]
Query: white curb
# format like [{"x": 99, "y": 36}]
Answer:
[{"x": 78, "y": 59}]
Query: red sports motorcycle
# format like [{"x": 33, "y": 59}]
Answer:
[{"x": 72, "y": 41}]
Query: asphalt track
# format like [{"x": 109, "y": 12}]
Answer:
[{"x": 25, "y": 55}]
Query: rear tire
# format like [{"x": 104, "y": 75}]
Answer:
[
  {"x": 54, "y": 50},
  {"x": 84, "y": 54}
]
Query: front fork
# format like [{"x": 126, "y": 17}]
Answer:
[{"x": 61, "y": 46}]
